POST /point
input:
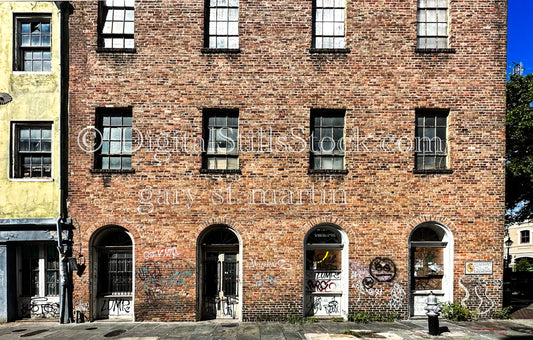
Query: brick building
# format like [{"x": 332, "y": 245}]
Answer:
[{"x": 257, "y": 159}]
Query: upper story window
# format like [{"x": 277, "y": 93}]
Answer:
[
  {"x": 431, "y": 145},
  {"x": 432, "y": 24},
  {"x": 32, "y": 44},
  {"x": 221, "y": 133},
  {"x": 116, "y": 25},
  {"x": 328, "y": 29},
  {"x": 222, "y": 24},
  {"x": 32, "y": 145},
  {"x": 327, "y": 132},
  {"x": 525, "y": 236},
  {"x": 115, "y": 127}
]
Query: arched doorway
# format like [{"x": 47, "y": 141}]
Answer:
[
  {"x": 112, "y": 274},
  {"x": 219, "y": 274},
  {"x": 326, "y": 271},
  {"x": 431, "y": 265}
]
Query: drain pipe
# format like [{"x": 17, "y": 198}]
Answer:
[{"x": 62, "y": 281}]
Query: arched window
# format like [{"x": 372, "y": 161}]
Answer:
[
  {"x": 431, "y": 264},
  {"x": 326, "y": 272},
  {"x": 113, "y": 252}
]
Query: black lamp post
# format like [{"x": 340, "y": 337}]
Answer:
[{"x": 508, "y": 244}]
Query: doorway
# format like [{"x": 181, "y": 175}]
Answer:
[
  {"x": 431, "y": 265},
  {"x": 219, "y": 274}
]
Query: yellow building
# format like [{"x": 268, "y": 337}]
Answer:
[
  {"x": 522, "y": 247},
  {"x": 32, "y": 117}
]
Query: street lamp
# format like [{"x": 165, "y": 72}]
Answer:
[{"x": 508, "y": 244}]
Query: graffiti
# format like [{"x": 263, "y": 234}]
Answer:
[
  {"x": 82, "y": 307},
  {"x": 171, "y": 252},
  {"x": 372, "y": 282},
  {"x": 265, "y": 280},
  {"x": 116, "y": 306},
  {"x": 382, "y": 269},
  {"x": 322, "y": 305},
  {"x": 397, "y": 297},
  {"x": 479, "y": 287},
  {"x": 281, "y": 264},
  {"x": 158, "y": 277},
  {"x": 328, "y": 276},
  {"x": 40, "y": 307},
  {"x": 321, "y": 286}
]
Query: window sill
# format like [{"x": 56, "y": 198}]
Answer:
[
  {"x": 430, "y": 172},
  {"x": 329, "y": 50},
  {"x": 221, "y": 171},
  {"x": 434, "y": 50},
  {"x": 38, "y": 179},
  {"x": 32, "y": 72},
  {"x": 318, "y": 172},
  {"x": 112, "y": 171},
  {"x": 116, "y": 50},
  {"x": 208, "y": 50}
]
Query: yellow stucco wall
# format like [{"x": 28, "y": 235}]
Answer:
[
  {"x": 36, "y": 97},
  {"x": 520, "y": 249}
]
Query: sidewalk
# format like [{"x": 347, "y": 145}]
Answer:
[{"x": 324, "y": 330}]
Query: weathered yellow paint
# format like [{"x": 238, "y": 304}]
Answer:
[{"x": 36, "y": 97}]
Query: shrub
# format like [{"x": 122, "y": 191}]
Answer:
[
  {"x": 365, "y": 317},
  {"x": 523, "y": 265},
  {"x": 455, "y": 312},
  {"x": 505, "y": 313}
]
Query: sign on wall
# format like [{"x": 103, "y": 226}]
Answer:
[{"x": 478, "y": 268}]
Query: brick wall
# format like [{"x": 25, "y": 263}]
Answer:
[{"x": 274, "y": 82}]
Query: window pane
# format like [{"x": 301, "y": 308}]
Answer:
[{"x": 114, "y": 162}]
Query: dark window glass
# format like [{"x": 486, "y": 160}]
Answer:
[
  {"x": 115, "y": 272},
  {"x": 524, "y": 236},
  {"x": 52, "y": 271},
  {"x": 117, "y": 24},
  {"x": 33, "y": 43},
  {"x": 116, "y": 140},
  {"x": 221, "y": 139},
  {"x": 431, "y": 143},
  {"x": 33, "y": 151},
  {"x": 327, "y": 149},
  {"x": 30, "y": 270}
]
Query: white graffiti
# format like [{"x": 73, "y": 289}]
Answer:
[
  {"x": 396, "y": 297},
  {"x": 480, "y": 288},
  {"x": 171, "y": 252},
  {"x": 358, "y": 273}
]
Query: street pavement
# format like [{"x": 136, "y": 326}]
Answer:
[{"x": 322, "y": 330}]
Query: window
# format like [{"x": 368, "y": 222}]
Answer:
[
  {"x": 524, "y": 236},
  {"x": 117, "y": 22},
  {"x": 116, "y": 274},
  {"x": 222, "y": 24},
  {"x": 32, "y": 151},
  {"x": 115, "y": 127},
  {"x": 37, "y": 259},
  {"x": 327, "y": 134},
  {"x": 432, "y": 24},
  {"x": 221, "y": 131},
  {"x": 328, "y": 30},
  {"x": 431, "y": 149},
  {"x": 32, "y": 44}
]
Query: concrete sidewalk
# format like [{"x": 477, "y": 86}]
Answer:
[{"x": 323, "y": 330}]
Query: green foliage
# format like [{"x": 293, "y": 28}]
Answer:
[
  {"x": 365, "y": 317},
  {"x": 523, "y": 265},
  {"x": 337, "y": 319},
  {"x": 455, "y": 312},
  {"x": 300, "y": 319},
  {"x": 505, "y": 313},
  {"x": 519, "y": 152}
]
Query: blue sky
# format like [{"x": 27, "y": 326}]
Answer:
[{"x": 520, "y": 34}]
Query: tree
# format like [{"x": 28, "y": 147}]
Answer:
[
  {"x": 523, "y": 265},
  {"x": 519, "y": 152}
]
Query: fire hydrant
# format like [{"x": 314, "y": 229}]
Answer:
[{"x": 433, "y": 312}]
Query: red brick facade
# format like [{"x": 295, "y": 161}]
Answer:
[{"x": 274, "y": 82}]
